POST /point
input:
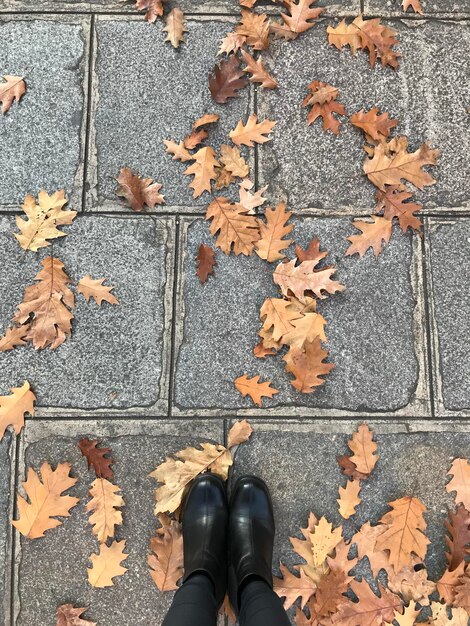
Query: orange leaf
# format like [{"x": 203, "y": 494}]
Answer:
[
  {"x": 240, "y": 432},
  {"x": 322, "y": 99},
  {"x": 253, "y": 388},
  {"x": 174, "y": 26},
  {"x": 460, "y": 482},
  {"x": 154, "y": 9},
  {"x": 259, "y": 74},
  {"x": 364, "y": 450},
  {"x": 14, "y": 407},
  {"x": 349, "y": 498},
  {"x": 372, "y": 235},
  {"x": 292, "y": 587},
  {"x": 414, "y": 4},
  {"x": 95, "y": 289},
  {"x": 252, "y": 132},
  {"x": 376, "y": 126},
  {"x": 233, "y": 226},
  {"x": 370, "y": 609},
  {"x": 307, "y": 365},
  {"x": 458, "y": 539},
  {"x": 311, "y": 253},
  {"x": 106, "y": 565},
  {"x": 138, "y": 191},
  {"x": 179, "y": 152},
  {"x": 302, "y": 279},
  {"x": 255, "y": 27},
  {"x": 392, "y": 203},
  {"x": 203, "y": 170},
  {"x": 300, "y": 15},
  {"x": 272, "y": 233}
]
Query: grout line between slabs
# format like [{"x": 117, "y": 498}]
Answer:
[
  {"x": 427, "y": 295},
  {"x": 174, "y": 307},
  {"x": 88, "y": 112},
  {"x": 13, "y": 535},
  {"x": 255, "y": 111}
]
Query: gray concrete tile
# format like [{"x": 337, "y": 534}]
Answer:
[
  {"x": 62, "y": 556},
  {"x": 449, "y": 8},
  {"x": 97, "y": 6},
  {"x": 449, "y": 246},
  {"x": 298, "y": 462},
  {"x": 42, "y": 139},
  {"x": 429, "y": 94},
  {"x": 6, "y": 450},
  {"x": 116, "y": 356},
  {"x": 372, "y": 329},
  {"x": 166, "y": 91}
]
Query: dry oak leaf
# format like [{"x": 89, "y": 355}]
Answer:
[
  {"x": 46, "y": 501},
  {"x": 196, "y": 137},
  {"x": 226, "y": 79},
  {"x": 250, "y": 201},
  {"x": 106, "y": 565},
  {"x": 440, "y": 616},
  {"x": 68, "y": 615},
  {"x": 391, "y": 162},
  {"x": 366, "y": 540},
  {"x": 233, "y": 161},
  {"x": 303, "y": 547},
  {"x": 45, "y": 306},
  {"x": 329, "y": 594},
  {"x": 137, "y": 191},
  {"x": 322, "y": 99},
  {"x": 179, "y": 152},
  {"x": 175, "y": 27},
  {"x": 94, "y": 288},
  {"x": 462, "y": 594},
  {"x": 311, "y": 253},
  {"x": 404, "y": 535},
  {"x": 252, "y": 132},
  {"x": 232, "y": 42},
  {"x": 166, "y": 562},
  {"x": 253, "y": 388},
  {"x": 272, "y": 233},
  {"x": 412, "y": 583},
  {"x": 306, "y": 329},
  {"x": 307, "y": 364},
  {"x": 449, "y": 581},
  {"x": 370, "y": 35},
  {"x": 227, "y": 610},
  {"x": 224, "y": 179},
  {"x": 13, "y": 89},
  {"x": 370, "y": 610},
  {"x": 376, "y": 126},
  {"x": 460, "y": 482},
  {"x": 14, "y": 407},
  {"x": 259, "y": 74},
  {"x": 205, "y": 262},
  {"x": 255, "y": 27},
  {"x": 154, "y": 9},
  {"x": 299, "y": 280},
  {"x": 96, "y": 458},
  {"x": 458, "y": 538},
  {"x": 300, "y": 15},
  {"x": 364, "y": 450},
  {"x": 261, "y": 352},
  {"x": 43, "y": 220},
  {"x": 414, "y": 4},
  {"x": 15, "y": 336},
  {"x": 321, "y": 541},
  {"x": 349, "y": 469},
  {"x": 409, "y": 616},
  {"x": 278, "y": 316},
  {"x": 240, "y": 432},
  {"x": 292, "y": 587},
  {"x": 203, "y": 169},
  {"x": 207, "y": 118},
  {"x": 106, "y": 499},
  {"x": 233, "y": 227},
  {"x": 176, "y": 474},
  {"x": 349, "y": 498},
  {"x": 392, "y": 202},
  {"x": 372, "y": 235}
]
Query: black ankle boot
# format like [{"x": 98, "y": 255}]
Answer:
[
  {"x": 205, "y": 525},
  {"x": 251, "y": 532}
]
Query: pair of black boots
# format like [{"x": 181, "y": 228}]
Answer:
[{"x": 231, "y": 543}]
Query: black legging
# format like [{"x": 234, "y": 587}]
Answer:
[{"x": 194, "y": 604}]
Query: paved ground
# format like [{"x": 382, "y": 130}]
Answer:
[{"x": 156, "y": 372}]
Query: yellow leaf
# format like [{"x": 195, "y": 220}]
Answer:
[{"x": 106, "y": 565}]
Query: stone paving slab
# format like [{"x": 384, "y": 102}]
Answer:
[
  {"x": 374, "y": 328},
  {"x": 298, "y": 462},
  {"x": 166, "y": 91},
  {"x": 449, "y": 267},
  {"x": 116, "y": 356},
  {"x": 42, "y": 140},
  {"x": 6, "y": 451},
  {"x": 429, "y": 94},
  {"x": 449, "y": 8},
  {"x": 53, "y": 570}
]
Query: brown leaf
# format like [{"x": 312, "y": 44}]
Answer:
[
  {"x": 307, "y": 365},
  {"x": 13, "y": 89},
  {"x": 97, "y": 458},
  {"x": 195, "y": 139},
  {"x": 260, "y": 352},
  {"x": 137, "y": 191},
  {"x": 224, "y": 179},
  {"x": 226, "y": 79},
  {"x": 412, "y": 583},
  {"x": 43, "y": 220},
  {"x": 204, "y": 120},
  {"x": 414, "y": 4},
  {"x": 106, "y": 565},
  {"x": 299, "y": 280},
  {"x": 349, "y": 498},
  {"x": 232, "y": 42},
  {"x": 370, "y": 609},
  {"x": 376, "y": 126},
  {"x": 203, "y": 169},
  {"x": 205, "y": 262},
  {"x": 462, "y": 595},
  {"x": 366, "y": 542},
  {"x": 300, "y": 15},
  {"x": 259, "y": 74},
  {"x": 255, "y": 27},
  {"x": 13, "y": 337},
  {"x": 253, "y": 388},
  {"x": 175, "y": 27},
  {"x": 458, "y": 539},
  {"x": 272, "y": 233},
  {"x": 67, "y": 615},
  {"x": 305, "y": 329},
  {"x": 154, "y": 9},
  {"x": 233, "y": 161},
  {"x": 166, "y": 562},
  {"x": 227, "y": 610},
  {"x": 280, "y": 30},
  {"x": 233, "y": 226},
  {"x": 91, "y": 288},
  {"x": 14, "y": 407},
  {"x": 349, "y": 469},
  {"x": 323, "y": 540},
  {"x": 392, "y": 203},
  {"x": 278, "y": 317},
  {"x": 408, "y": 618},
  {"x": 290, "y": 587},
  {"x": 46, "y": 501},
  {"x": 322, "y": 99},
  {"x": 460, "y": 482},
  {"x": 311, "y": 253},
  {"x": 240, "y": 432},
  {"x": 405, "y": 534},
  {"x": 364, "y": 450},
  {"x": 329, "y": 595},
  {"x": 252, "y": 132},
  {"x": 250, "y": 201},
  {"x": 105, "y": 502},
  {"x": 303, "y": 547},
  {"x": 372, "y": 235},
  {"x": 179, "y": 152},
  {"x": 448, "y": 582}
]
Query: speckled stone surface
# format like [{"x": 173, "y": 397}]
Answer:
[
  {"x": 449, "y": 8},
  {"x": 53, "y": 571},
  {"x": 5, "y": 569},
  {"x": 450, "y": 267},
  {"x": 42, "y": 139},
  {"x": 429, "y": 95},
  {"x": 114, "y": 358},
  {"x": 376, "y": 366}
]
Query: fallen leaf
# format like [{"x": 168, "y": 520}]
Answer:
[
  {"x": 323, "y": 539},
  {"x": 224, "y": 179},
  {"x": 414, "y": 4},
  {"x": 13, "y": 89},
  {"x": 305, "y": 329},
  {"x": 97, "y": 458},
  {"x": 307, "y": 365},
  {"x": 240, "y": 432},
  {"x": 375, "y": 125},
  {"x": 67, "y": 615},
  {"x": 175, "y": 27},
  {"x": 460, "y": 482},
  {"x": 311, "y": 253},
  {"x": 259, "y": 74},
  {"x": 349, "y": 469},
  {"x": 46, "y": 501},
  {"x": 227, "y": 610},
  {"x": 204, "y": 120},
  {"x": 272, "y": 233},
  {"x": 366, "y": 542},
  {"x": 233, "y": 161},
  {"x": 300, "y": 280},
  {"x": 166, "y": 562},
  {"x": 392, "y": 202},
  {"x": 372, "y": 235},
  {"x": 409, "y": 616},
  {"x": 370, "y": 609},
  {"x": 205, "y": 262},
  {"x": 300, "y": 15},
  {"x": 137, "y": 191},
  {"x": 13, "y": 337},
  {"x": 448, "y": 583},
  {"x": 329, "y": 595},
  {"x": 250, "y": 201},
  {"x": 364, "y": 450},
  {"x": 322, "y": 99},
  {"x": 412, "y": 583},
  {"x": 43, "y": 220},
  {"x": 104, "y": 504},
  {"x": 95, "y": 289},
  {"x": 290, "y": 587},
  {"x": 178, "y": 150},
  {"x": 253, "y": 388},
  {"x": 280, "y": 30},
  {"x": 196, "y": 137},
  {"x": 349, "y": 498},
  {"x": 203, "y": 169},
  {"x": 106, "y": 565},
  {"x": 458, "y": 538},
  {"x": 14, "y": 407},
  {"x": 226, "y": 80},
  {"x": 260, "y": 352},
  {"x": 154, "y": 9},
  {"x": 278, "y": 317},
  {"x": 232, "y": 42},
  {"x": 252, "y": 132},
  {"x": 462, "y": 595},
  {"x": 255, "y": 27},
  {"x": 233, "y": 226}
]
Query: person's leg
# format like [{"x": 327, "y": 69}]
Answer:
[
  {"x": 261, "y": 605},
  {"x": 194, "y": 603}
]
